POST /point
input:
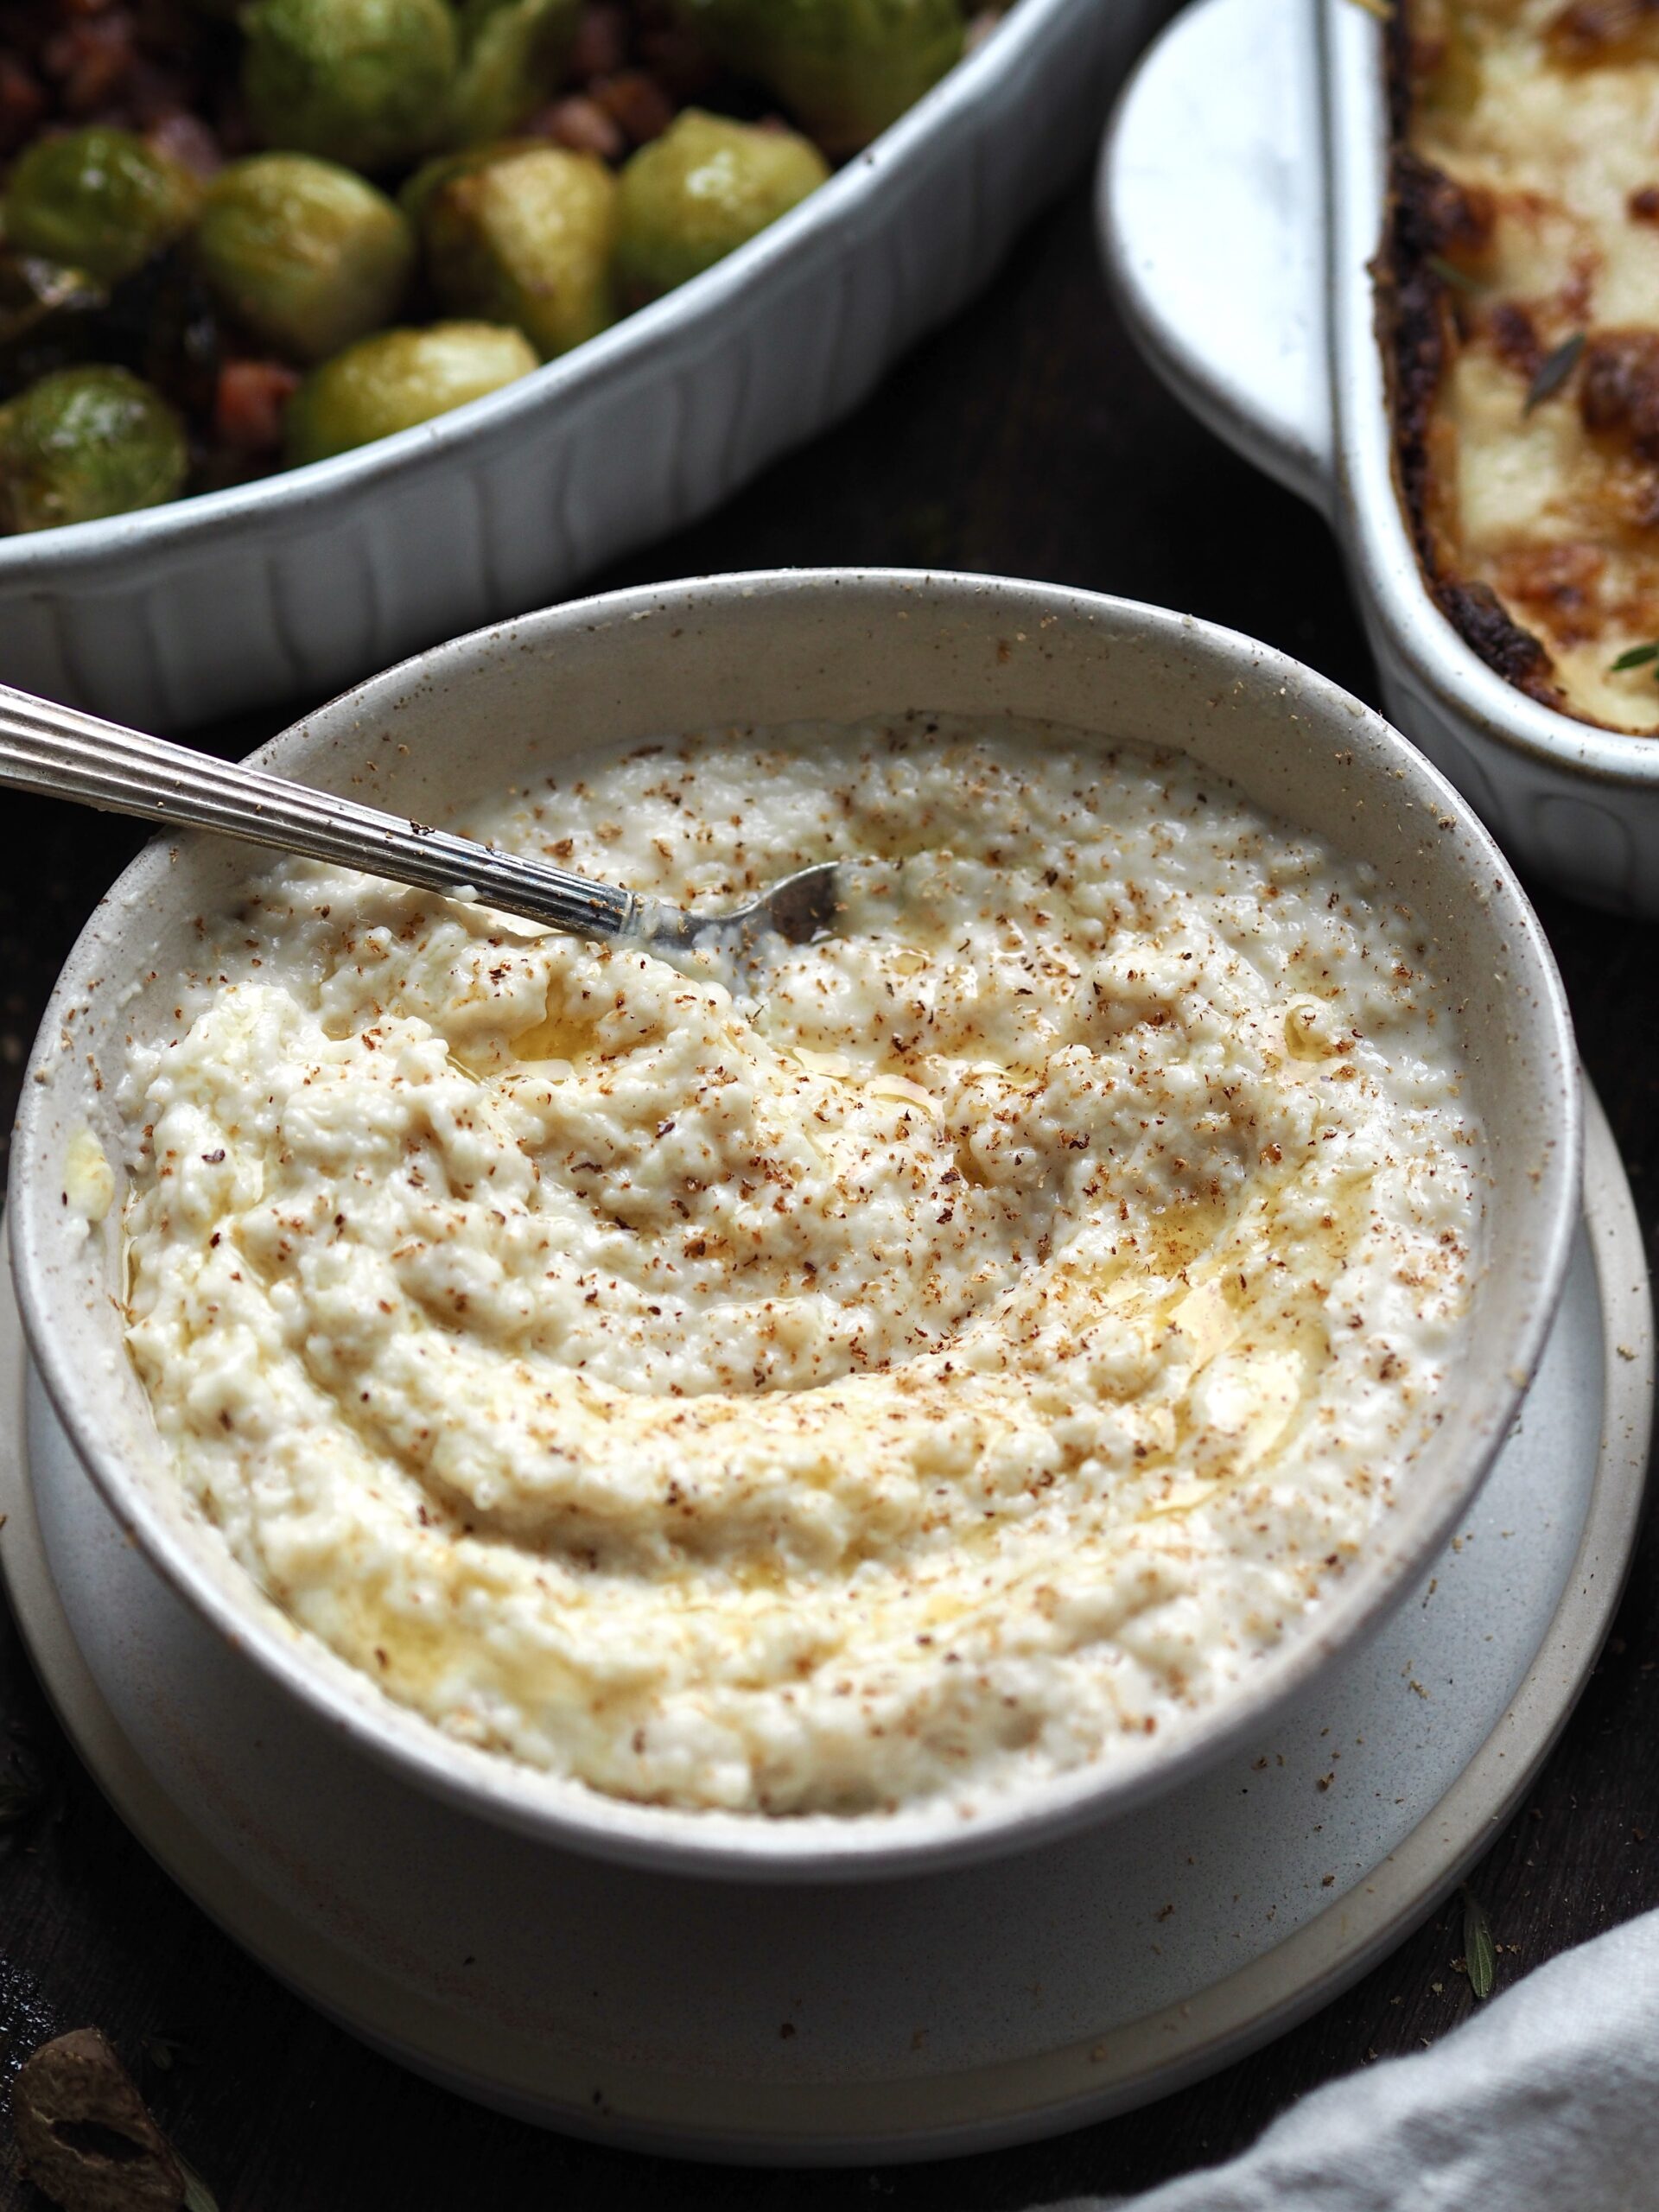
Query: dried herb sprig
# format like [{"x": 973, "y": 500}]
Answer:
[
  {"x": 1635, "y": 657},
  {"x": 1553, "y": 372},
  {"x": 1478, "y": 1948}
]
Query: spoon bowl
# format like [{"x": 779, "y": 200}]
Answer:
[{"x": 63, "y": 753}]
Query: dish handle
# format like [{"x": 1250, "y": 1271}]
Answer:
[{"x": 1210, "y": 206}]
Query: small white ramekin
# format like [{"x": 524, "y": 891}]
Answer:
[
  {"x": 1241, "y": 201},
  {"x": 494, "y": 708}
]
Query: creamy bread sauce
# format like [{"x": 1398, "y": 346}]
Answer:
[{"x": 953, "y": 1368}]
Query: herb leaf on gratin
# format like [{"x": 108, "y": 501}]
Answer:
[{"x": 1553, "y": 372}]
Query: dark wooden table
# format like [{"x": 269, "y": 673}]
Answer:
[{"x": 1025, "y": 438}]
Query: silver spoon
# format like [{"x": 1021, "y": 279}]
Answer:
[{"x": 68, "y": 755}]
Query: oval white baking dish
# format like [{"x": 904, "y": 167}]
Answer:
[
  {"x": 478, "y": 713},
  {"x": 1240, "y": 201},
  {"x": 306, "y": 581}
]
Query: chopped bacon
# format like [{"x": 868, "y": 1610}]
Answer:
[
  {"x": 248, "y": 404},
  {"x": 582, "y": 125},
  {"x": 637, "y": 102},
  {"x": 186, "y": 139}
]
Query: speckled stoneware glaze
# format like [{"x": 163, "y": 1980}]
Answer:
[
  {"x": 462, "y": 721},
  {"x": 1240, "y": 201},
  {"x": 291, "y": 586}
]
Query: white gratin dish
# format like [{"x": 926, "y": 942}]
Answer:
[
  {"x": 306, "y": 581},
  {"x": 477, "y": 714},
  {"x": 1241, "y": 200}
]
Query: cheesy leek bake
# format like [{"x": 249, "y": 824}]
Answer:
[
  {"x": 951, "y": 1368},
  {"x": 1519, "y": 315}
]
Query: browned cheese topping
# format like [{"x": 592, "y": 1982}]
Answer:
[{"x": 1520, "y": 313}]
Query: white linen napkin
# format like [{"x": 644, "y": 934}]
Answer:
[{"x": 1546, "y": 2101}]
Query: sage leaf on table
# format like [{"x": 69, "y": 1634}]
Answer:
[{"x": 1478, "y": 1947}]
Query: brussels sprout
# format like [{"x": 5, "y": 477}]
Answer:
[
  {"x": 698, "y": 191},
  {"x": 366, "y": 82},
  {"x": 100, "y": 200},
  {"x": 418, "y": 192},
  {"x": 306, "y": 256},
  {"x": 522, "y": 234},
  {"x": 513, "y": 52},
  {"x": 83, "y": 443},
  {"x": 844, "y": 68},
  {"x": 397, "y": 379}
]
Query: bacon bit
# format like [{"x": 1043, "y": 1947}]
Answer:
[
  {"x": 1642, "y": 206},
  {"x": 637, "y": 102},
  {"x": 581, "y": 125},
  {"x": 248, "y": 404},
  {"x": 186, "y": 140}
]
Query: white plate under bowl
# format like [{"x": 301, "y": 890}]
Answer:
[{"x": 899, "y": 2019}]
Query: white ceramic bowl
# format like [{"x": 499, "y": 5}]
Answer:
[
  {"x": 471, "y": 717},
  {"x": 306, "y": 581},
  {"x": 1240, "y": 202}
]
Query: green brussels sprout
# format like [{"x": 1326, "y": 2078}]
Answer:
[
  {"x": 701, "y": 188},
  {"x": 100, "y": 200},
  {"x": 512, "y": 53},
  {"x": 522, "y": 234},
  {"x": 844, "y": 68},
  {"x": 305, "y": 255},
  {"x": 366, "y": 82},
  {"x": 397, "y": 379},
  {"x": 416, "y": 194},
  {"x": 83, "y": 443}
]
